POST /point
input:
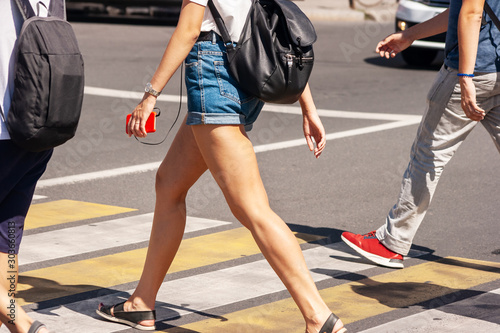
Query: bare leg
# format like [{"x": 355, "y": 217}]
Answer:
[
  {"x": 12, "y": 315},
  {"x": 229, "y": 155},
  {"x": 180, "y": 169}
]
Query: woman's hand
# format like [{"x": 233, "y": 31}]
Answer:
[
  {"x": 314, "y": 132},
  {"x": 312, "y": 125},
  {"x": 468, "y": 94},
  {"x": 181, "y": 42},
  {"x": 393, "y": 44},
  {"x": 137, "y": 123}
]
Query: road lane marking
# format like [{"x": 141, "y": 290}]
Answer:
[
  {"x": 199, "y": 293},
  {"x": 109, "y": 173},
  {"x": 360, "y": 299},
  {"x": 290, "y": 109},
  {"x": 73, "y": 179},
  {"x": 474, "y": 314},
  {"x": 115, "y": 93},
  {"x": 351, "y": 301},
  {"x": 97, "y": 236},
  {"x": 115, "y": 269},
  {"x": 333, "y": 136},
  {"x": 64, "y": 211},
  {"x": 395, "y": 121}
]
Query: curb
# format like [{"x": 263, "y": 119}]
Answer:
[
  {"x": 341, "y": 15},
  {"x": 382, "y": 14}
]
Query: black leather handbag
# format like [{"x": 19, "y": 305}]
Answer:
[{"x": 274, "y": 57}]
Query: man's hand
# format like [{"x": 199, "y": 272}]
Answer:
[
  {"x": 468, "y": 94},
  {"x": 393, "y": 44}
]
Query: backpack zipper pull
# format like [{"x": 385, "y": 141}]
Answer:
[{"x": 289, "y": 63}]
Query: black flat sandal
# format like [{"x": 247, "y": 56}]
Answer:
[
  {"x": 36, "y": 327},
  {"x": 117, "y": 314},
  {"x": 330, "y": 323}
]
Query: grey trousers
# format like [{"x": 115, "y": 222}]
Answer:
[{"x": 443, "y": 128}]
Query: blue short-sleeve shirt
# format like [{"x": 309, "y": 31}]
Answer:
[{"x": 488, "y": 52}]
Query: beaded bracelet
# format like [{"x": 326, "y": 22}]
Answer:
[{"x": 466, "y": 75}]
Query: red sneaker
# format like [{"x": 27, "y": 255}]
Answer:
[{"x": 370, "y": 247}]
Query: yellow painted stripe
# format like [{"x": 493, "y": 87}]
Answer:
[
  {"x": 361, "y": 299},
  {"x": 107, "y": 271},
  {"x": 64, "y": 211}
]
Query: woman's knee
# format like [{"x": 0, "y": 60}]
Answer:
[
  {"x": 252, "y": 217},
  {"x": 167, "y": 187}
]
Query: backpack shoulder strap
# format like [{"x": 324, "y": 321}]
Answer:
[
  {"x": 492, "y": 15},
  {"x": 2, "y": 115},
  {"x": 57, "y": 8},
  {"x": 25, "y": 9},
  {"x": 220, "y": 23}
]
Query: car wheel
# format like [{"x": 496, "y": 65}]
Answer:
[{"x": 418, "y": 56}]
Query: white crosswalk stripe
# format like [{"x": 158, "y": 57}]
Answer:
[{"x": 96, "y": 236}]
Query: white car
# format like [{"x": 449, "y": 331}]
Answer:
[{"x": 411, "y": 12}]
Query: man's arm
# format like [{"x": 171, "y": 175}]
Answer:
[
  {"x": 399, "y": 41},
  {"x": 469, "y": 24}
]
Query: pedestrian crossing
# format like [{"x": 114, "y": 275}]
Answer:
[
  {"x": 475, "y": 314},
  {"x": 68, "y": 269},
  {"x": 65, "y": 211}
]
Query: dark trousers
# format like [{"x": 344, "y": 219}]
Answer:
[{"x": 19, "y": 173}]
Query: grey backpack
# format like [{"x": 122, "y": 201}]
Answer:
[{"x": 48, "y": 81}]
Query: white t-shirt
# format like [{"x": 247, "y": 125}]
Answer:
[
  {"x": 233, "y": 12},
  {"x": 10, "y": 26}
]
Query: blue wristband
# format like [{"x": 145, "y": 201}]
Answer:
[{"x": 466, "y": 75}]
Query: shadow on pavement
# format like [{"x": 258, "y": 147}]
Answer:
[{"x": 398, "y": 62}]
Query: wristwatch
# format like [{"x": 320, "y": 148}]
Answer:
[{"x": 149, "y": 89}]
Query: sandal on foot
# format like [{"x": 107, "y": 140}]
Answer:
[
  {"x": 36, "y": 327},
  {"x": 117, "y": 314},
  {"x": 330, "y": 324}
]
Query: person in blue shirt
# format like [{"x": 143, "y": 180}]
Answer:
[{"x": 464, "y": 94}]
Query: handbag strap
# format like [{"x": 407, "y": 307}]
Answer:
[
  {"x": 220, "y": 24},
  {"x": 492, "y": 15},
  {"x": 26, "y": 12}
]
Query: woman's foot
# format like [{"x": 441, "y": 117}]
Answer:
[
  {"x": 38, "y": 327},
  {"x": 332, "y": 325},
  {"x": 130, "y": 314}
]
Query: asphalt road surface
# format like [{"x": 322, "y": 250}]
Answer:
[{"x": 89, "y": 224}]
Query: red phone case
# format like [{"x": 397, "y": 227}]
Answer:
[{"x": 150, "y": 123}]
